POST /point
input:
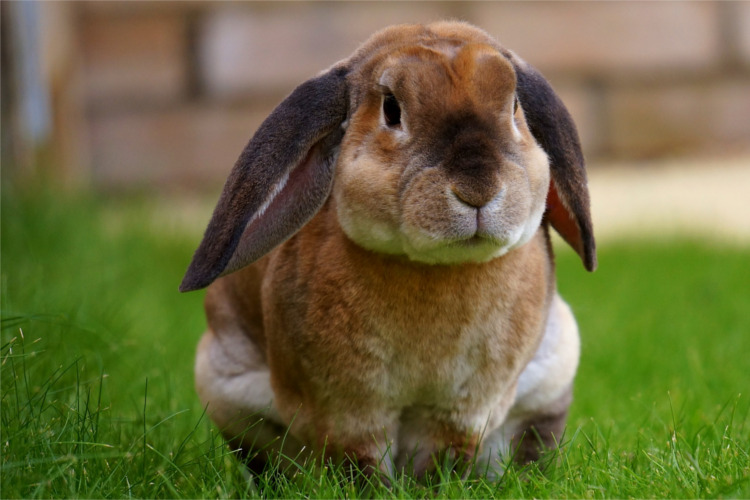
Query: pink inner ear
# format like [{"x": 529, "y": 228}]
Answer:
[
  {"x": 563, "y": 220},
  {"x": 305, "y": 191}
]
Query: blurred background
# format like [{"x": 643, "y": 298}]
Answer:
[{"x": 162, "y": 96}]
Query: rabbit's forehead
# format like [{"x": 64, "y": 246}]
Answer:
[{"x": 450, "y": 66}]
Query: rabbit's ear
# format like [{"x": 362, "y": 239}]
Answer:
[
  {"x": 552, "y": 126},
  {"x": 280, "y": 181}
]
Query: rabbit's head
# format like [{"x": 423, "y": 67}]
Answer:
[{"x": 435, "y": 143}]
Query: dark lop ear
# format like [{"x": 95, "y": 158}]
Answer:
[
  {"x": 552, "y": 126},
  {"x": 280, "y": 181}
]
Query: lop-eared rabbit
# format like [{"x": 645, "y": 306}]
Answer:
[{"x": 381, "y": 276}]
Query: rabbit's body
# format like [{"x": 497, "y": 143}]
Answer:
[
  {"x": 407, "y": 307},
  {"x": 400, "y": 372}
]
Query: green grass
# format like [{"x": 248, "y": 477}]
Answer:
[{"x": 97, "y": 348}]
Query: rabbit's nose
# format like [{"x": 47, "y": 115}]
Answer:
[{"x": 475, "y": 198}]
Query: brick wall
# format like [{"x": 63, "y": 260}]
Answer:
[{"x": 172, "y": 91}]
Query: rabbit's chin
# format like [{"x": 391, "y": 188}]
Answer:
[
  {"x": 476, "y": 249},
  {"x": 450, "y": 245},
  {"x": 420, "y": 245}
]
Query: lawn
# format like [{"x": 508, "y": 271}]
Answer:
[{"x": 97, "y": 351}]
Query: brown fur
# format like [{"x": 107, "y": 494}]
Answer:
[
  {"x": 345, "y": 289},
  {"x": 410, "y": 280}
]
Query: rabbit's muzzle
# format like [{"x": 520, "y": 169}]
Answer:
[{"x": 475, "y": 205}]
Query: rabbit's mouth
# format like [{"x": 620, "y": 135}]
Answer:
[{"x": 471, "y": 235}]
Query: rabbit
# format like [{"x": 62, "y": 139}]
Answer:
[{"x": 382, "y": 288}]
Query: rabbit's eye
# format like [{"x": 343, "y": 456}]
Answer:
[{"x": 391, "y": 110}]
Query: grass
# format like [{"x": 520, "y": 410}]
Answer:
[{"x": 97, "y": 349}]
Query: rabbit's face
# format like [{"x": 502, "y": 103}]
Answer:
[
  {"x": 437, "y": 162},
  {"x": 421, "y": 139}
]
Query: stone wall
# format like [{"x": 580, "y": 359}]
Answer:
[{"x": 170, "y": 92}]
